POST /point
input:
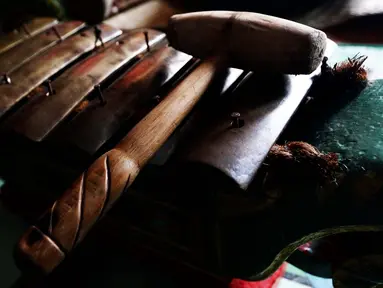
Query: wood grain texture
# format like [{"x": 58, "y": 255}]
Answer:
[
  {"x": 33, "y": 27},
  {"x": 39, "y": 69},
  {"x": 253, "y": 41},
  {"x": 76, "y": 83},
  {"x": 94, "y": 193},
  {"x": 127, "y": 101},
  {"x": 14, "y": 58}
]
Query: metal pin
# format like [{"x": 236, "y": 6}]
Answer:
[
  {"x": 57, "y": 33},
  {"x": 147, "y": 41},
  {"x": 51, "y": 92},
  {"x": 236, "y": 121},
  {"x": 6, "y": 79},
  {"x": 97, "y": 34},
  {"x": 99, "y": 94}
]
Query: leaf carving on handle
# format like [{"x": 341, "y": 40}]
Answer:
[
  {"x": 62, "y": 221},
  {"x": 81, "y": 206}
]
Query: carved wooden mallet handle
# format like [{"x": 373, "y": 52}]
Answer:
[
  {"x": 70, "y": 218},
  {"x": 96, "y": 190}
]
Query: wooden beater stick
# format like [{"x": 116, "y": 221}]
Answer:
[{"x": 97, "y": 189}]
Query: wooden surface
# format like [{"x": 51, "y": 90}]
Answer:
[
  {"x": 39, "y": 69},
  {"x": 94, "y": 193},
  {"x": 14, "y": 58},
  {"x": 32, "y": 28},
  {"x": 251, "y": 39},
  {"x": 77, "y": 83}
]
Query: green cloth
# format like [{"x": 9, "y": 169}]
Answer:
[{"x": 355, "y": 131}]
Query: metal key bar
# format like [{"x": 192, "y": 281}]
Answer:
[
  {"x": 75, "y": 84},
  {"x": 134, "y": 93},
  {"x": 37, "y": 70},
  {"x": 32, "y": 28},
  {"x": 17, "y": 56}
]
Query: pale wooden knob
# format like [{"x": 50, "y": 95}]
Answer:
[{"x": 251, "y": 41}]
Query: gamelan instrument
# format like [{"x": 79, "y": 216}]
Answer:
[{"x": 172, "y": 127}]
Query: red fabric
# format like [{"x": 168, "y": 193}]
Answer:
[{"x": 268, "y": 283}]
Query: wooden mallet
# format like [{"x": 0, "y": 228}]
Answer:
[{"x": 250, "y": 41}]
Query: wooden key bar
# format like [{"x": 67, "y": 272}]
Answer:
[
  {"x": 75, "y": 84},
  {"x": 20, "y": 54},
  {"x": 33, "y": 73},
  {"x": 29, "y": 29},
  {"x": 126, "y": 101}
]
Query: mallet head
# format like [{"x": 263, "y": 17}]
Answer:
[{"x": 251, "y": 41}]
